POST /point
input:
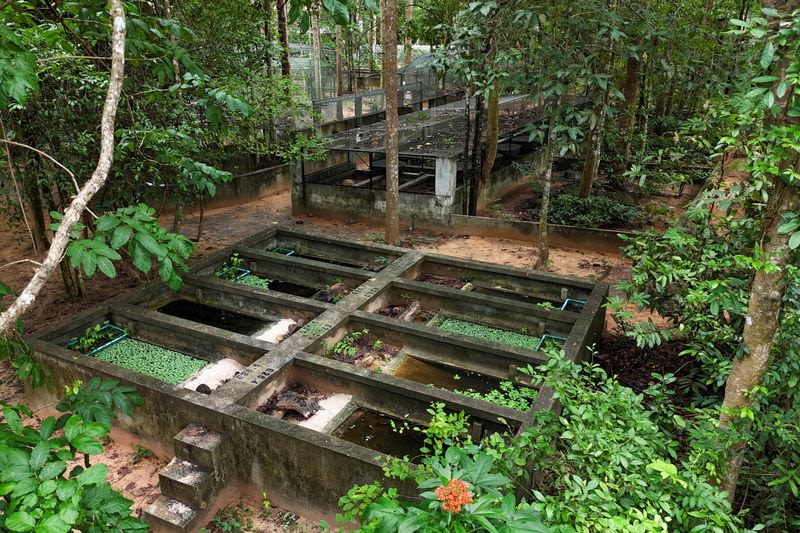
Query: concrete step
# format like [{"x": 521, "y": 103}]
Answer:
[
  {"x": 187, "y": 482},
  {"x": 166, "y": 515},
  {"x": 202, "y": 447}
]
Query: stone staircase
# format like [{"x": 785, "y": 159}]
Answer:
[{"x": 200, "y": 468}]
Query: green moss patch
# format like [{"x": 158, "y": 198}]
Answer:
[
  {"x": 501, "y": 336},
  {"x": 161, "y": 363}
]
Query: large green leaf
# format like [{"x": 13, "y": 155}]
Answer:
[{"x": 20, "y": 521}]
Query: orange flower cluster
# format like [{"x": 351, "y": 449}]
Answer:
[{"x": 454, "y": 495}]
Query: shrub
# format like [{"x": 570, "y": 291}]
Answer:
[{"x": 592, "y": 212}]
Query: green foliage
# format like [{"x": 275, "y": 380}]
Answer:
[
  {"x": 230, "y": 269},
  {"x": 697, "y": 275},
  {"x": 500, "y": 336},
  {"x": 508, "y": 394},
  {"x": 139, "y": 453},
  {"x": 346, "y": 347},
  {"x": 254, "y": 281},
  {"x": 94, "y": 336},
  {"x": 593, "y": 212},
  {"x": 38, "y": 489},
  {"x": 97, "y": 400},
  {"x": 136, "y": 230},
  {"x": 16, "y": 351},
  {"x": 603, "y": 464},
  {"x": 161, "y": 363},
  {"x": 489, "y": 507},
  {"x": 17, "y": 70}
]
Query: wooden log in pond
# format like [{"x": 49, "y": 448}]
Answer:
[
  {"x": 411, "y": 312},
  {"x": 292, "y": 401}
]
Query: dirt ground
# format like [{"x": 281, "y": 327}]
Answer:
[{"x": 222, "y": 226}]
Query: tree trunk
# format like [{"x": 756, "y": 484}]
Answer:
[
  {"x": 37, "y": 214},
  {"x": 478, "y": 132},
  {"x": 200, "y": 223},
  {"x": 316, "y": 50},
  {"x": 389, "y": 63},
  {"x": 283, "y": 34},
  {"x": 373, "y": 44},
  {"x": 407, "y": 40},
  {"x": 769, "y": 285},
  {"x": 176, "y": 69},
  {"x": 544, "y": 249},
  {"x": 595, "y": 140},
  {"x": 761, "y": 322},
  {"x": 269, "y": 128},
  {"x": 339, "y": 62},
  {"x": 627, "y": 115},
  {"x": 73, "y": 213},
  {"x": 492, "y": 131}
]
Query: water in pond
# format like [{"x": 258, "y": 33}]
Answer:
[
  {"x": 292, "y": 288},
  {"x": 213, "y": 316},
  {"x": 443, "y": 376},
  {"x": 374, "y": 431}
]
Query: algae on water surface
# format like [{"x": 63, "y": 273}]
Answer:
[{"x": 161, "y": 363}]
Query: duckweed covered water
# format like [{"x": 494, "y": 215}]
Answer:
[
  {"x": 501, "y": 336},
  {"x": 161, "y": 363}
]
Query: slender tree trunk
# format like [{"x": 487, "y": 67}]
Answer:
[
  {"x": 595, "y": 140},
  {"x": 351, "y": 54},
  {"x": 544, "y": 248},
  {"x": 200, "y": 223},
  {"x": 492, "y": 131},
  {"x": 761, "y": 323},
  {"x": 37, "y": 214},
  {"x": 73, "y": 213},
  {"x": 769, "y": 285},
  {"x": 478, "y": 135},
  {"x": 627, "y": 115},
  {"x": 389, "y": 47},
  {"x": 16, "y": 186},
  {"x": 407, "y": 39},
  {"x": 283, "y": 34},
  {"x": 467, "y": 129},
  {"x": 316, "y": 50},
  {"x": 176, "y": 69},
  {"x": 373, "y": 44},
  {"x": 339, "y": 62},
  {"x": 269, "y": 128}
]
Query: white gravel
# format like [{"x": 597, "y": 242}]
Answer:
[
  {"x": 273, "y": 331},
  {"x": 214, "y": 374}
]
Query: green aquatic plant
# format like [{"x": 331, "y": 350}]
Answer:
[
  {"x": 508, "y": 394},
  {"x": 254, "y": 281},
  {"x": 161, "y": 363},
  {"x": 501, "y": 336}
]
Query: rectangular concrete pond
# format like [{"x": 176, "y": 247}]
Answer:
[
  {"x": 295, "y": 392},
  {"x": 364, "y": 256}
]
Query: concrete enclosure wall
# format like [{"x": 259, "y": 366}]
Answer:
[{"x": 303, "y": 469}]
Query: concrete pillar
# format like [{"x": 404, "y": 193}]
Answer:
[
  {"x": 445, "y": 188},
  {"x": 358, "y": 106}
]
